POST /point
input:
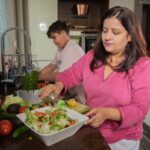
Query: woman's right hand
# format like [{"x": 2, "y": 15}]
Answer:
[{"x": 50, "y": 88}]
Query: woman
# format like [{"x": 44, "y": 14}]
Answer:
[{"x": 115, "y": 77}]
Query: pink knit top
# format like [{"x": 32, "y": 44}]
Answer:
[{"x": 130, "y": 93}]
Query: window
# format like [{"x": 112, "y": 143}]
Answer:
[
  {"x": 7, "y": 19},
  {"x": 4, "y": 21}
]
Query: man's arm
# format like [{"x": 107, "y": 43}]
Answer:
[{"x": 47, "y": 73}]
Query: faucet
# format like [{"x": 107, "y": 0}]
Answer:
[{"x": 28, "y": 55}]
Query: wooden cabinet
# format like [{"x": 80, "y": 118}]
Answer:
[{"x": 67, "y": 11}]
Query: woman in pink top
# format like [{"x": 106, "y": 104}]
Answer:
[{"x": 116, "y": 79}]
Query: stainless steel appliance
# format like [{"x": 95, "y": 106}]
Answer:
[{"x": 88, "y": 40}]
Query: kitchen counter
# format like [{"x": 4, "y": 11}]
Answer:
[{"x": 87, "y": 138}]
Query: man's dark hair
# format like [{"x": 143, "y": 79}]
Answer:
[{"x": 57, "y": 27}]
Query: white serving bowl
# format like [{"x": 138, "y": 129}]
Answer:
[{"x": 50, "y": 139}]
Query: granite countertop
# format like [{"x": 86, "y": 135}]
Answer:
[{"x": 87, "y": 138}]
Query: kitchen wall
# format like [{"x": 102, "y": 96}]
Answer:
[
  {"x": 42, "y": 13},
  {"x": 125, "y": 3}
]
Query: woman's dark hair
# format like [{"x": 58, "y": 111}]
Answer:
[
  {"x": 135, "y": 49},
  {"x": 57, "y": 27}
]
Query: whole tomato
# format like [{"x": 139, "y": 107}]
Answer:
[
  {"x": 22, "y": 109},
  {"x": 5, "y": 127}
]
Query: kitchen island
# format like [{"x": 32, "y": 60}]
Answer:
[{"x": 87, "y": 138}]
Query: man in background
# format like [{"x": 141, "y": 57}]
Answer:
[{"x": 68, "y": 53}]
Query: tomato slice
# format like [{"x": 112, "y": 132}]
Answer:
[
  {"x": 40, "y": 119},
  {"x": 39, "y": 114},
  {"x": 53, "y": 114},
  {"x": 22, "y": 109}
]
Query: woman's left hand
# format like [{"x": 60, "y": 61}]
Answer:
[{"x": 97, "y": 116}]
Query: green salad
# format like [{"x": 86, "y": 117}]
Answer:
[{"x": 49, "y": 121}]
